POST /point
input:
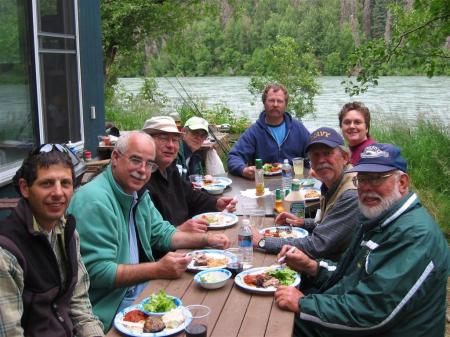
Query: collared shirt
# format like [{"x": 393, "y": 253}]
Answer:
[{"x": 12, "y": 285}]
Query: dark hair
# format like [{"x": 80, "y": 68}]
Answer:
[
  {"x": 36, "y": 160},
  {"x": 275, "y": 87},
  {"x": 358, "y": 106}
]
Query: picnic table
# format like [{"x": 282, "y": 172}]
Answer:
[{"x": 234, "y": 311}]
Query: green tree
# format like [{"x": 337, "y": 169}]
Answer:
[
  {"x": 295, "y": 68},
  {"x": 418, "y": 34}
]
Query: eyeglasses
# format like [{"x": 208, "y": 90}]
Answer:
[
  {"x": 373, "y": 180},
  {"x": 165, "y": 139},
  {"x": 137, "y": 162},
  {"x": 45, "y": 148}
]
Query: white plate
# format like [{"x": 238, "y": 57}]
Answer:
[
  {"x": 223, "y": 220},
  {"x": 312, "y": 189},
  {"x": 213, "y": 253},
  {"x": 239, "y": 280},
  {"x": 296, "y": 231},
  {"x": 124, "y": 329},
  {"x": 219, "y": 181}
]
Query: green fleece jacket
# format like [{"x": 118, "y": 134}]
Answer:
[
  {"x": 102, "y": 210},
  {"x": 390, "y": 282}
]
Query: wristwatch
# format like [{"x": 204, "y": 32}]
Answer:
[{"x": 262, "y": 243}]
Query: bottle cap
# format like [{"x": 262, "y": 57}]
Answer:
[
  {"x": 278, "y": 194},
  {"x": 286, "y": 192},
  {"x": 258, "y": 163},
  {"x": 286, "y": 161},
  {"x": 295, "y": 186}
]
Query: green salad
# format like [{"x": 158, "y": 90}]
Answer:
[
  {"x": 286, "y": 276},
  {"x": 159, "y": 302}
]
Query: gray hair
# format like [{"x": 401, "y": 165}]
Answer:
[{"x": 123, "y": 141}]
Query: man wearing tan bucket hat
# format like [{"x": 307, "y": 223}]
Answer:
[{"x": 172, "y": 195}]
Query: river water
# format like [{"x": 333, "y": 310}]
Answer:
[{"x": 407, "y": 97}]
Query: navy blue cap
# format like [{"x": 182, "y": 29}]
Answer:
[
  {"x": 380, "y": 158},
  {"x": 327, "y": 136}
]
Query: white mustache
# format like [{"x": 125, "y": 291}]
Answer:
[
  {"x": 371, "y": 195},
  {"x": 324, "y": 166},
  {"x": 136, "y": 175}
]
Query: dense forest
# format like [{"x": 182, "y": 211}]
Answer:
[{"x": 235, "y": 37}]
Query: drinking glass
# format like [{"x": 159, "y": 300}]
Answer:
[
  {"x": 298, "y": 167},
  {"x": 257, "y": 217},
  {"x": 236, "y": 266},
  {"x": 196, "y": 181},
  {"x": 196, "y": 317}
]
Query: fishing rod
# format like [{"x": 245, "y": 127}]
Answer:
[{"x": 192, "y": 103}]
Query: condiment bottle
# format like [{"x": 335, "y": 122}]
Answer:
[
  {"x": 259, "y": 178},
  {"x": 294, "y": 203},
  {"x": 278, "y": 201}
]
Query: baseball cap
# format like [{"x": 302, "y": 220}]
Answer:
[
  {"x": 196, "y": 123},
  {"x": 160, "y": 124},
  {"x": 380, "y": 158},
  {"x": 327, "y": 136}
]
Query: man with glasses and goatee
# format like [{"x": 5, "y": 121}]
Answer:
[
  {"x": 392, "y": 279},
  {"x": 120, "y": 228},
  {"x": 43, "y": 282}
]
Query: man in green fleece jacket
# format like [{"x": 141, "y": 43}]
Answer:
[
  {"x": 392, "y": 279},
  {"x": 120, "y": 227}
]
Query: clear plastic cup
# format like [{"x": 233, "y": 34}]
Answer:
[
  {"x": 298, "y": 164},
  {"x": 196, "y": 320}
]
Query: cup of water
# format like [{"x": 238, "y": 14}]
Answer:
[
  {"x": 257, "y": 216},
  {"x": 196, "y": 317},
  {"x": 298, "y": 166}
]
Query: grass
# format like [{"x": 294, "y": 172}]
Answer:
[{"x": 425, "y": 144}]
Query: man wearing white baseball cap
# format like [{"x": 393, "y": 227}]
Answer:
[{"x": 189, "y": 158}]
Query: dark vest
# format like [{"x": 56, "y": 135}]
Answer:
[{"x": 45, "y": 301}]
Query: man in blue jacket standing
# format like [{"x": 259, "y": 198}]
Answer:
[
  {"x": 274, "y": 137},
  {"x": 392, "y": 279}
]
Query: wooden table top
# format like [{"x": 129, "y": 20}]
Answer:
[{"x": 234, "y": 311}]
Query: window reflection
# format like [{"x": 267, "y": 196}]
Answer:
[
  {"x": 56, "y": 16},
  {"x": 16, "y": 131}
]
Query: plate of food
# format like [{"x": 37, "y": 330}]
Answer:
[
  {"x": 312, "y": 194},
  {"x": 284, "y": 232},
  {"x": 209, "y": 258},
  {"x": 209, "y": 180},
  {"x": 133, "y": 321},
  {"x": 267, "y": 279},
  {"x": 307, "y": 182},
  {"x": 218, "y": 219},
  {"x": 271, "y": 169}
]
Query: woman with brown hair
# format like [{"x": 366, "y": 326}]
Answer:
[{"x": 354, "y": 121}]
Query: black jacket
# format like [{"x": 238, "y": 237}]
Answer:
[{"x": 46, "y": 300}]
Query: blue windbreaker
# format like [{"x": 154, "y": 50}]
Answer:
[{"x": 258, "y": 142}]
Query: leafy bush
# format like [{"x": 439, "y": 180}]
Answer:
[{"x": 129, "y": 111}]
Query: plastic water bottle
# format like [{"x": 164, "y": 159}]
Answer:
[
  {"x": 286, "y": 175},
  {"x": 245, "y": 242}
]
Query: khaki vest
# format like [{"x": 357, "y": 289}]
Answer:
[{"x": 345, "y": 185}]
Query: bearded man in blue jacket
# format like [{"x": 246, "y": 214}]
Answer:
[
  {"x": 392, "y": 280},
  {"x": 275, "y": 136}
]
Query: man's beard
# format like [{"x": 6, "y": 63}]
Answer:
[{"x": 372, "y": 212}]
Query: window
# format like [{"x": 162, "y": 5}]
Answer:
[
  {"x": 16, "y": 98},
  {"x": 58, "y": 67},
  {"x": 40, "y": 90}
]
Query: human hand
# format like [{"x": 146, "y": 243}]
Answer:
[
  {"x": 297, "y": 260},
  {"x": 256, "y": 236},
  {"x": 249, "y": 172},
  {"x": 290, "y": 219},
  {"x": 226, "y": 203},
  {"x": 194, "y": 226},
  {"x": 172, "y": 265},
  {"x": 219, "y": 241},
  {"x": 287, "y": 298}
]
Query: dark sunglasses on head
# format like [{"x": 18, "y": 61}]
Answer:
[{"x": 45, "y": 148}]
